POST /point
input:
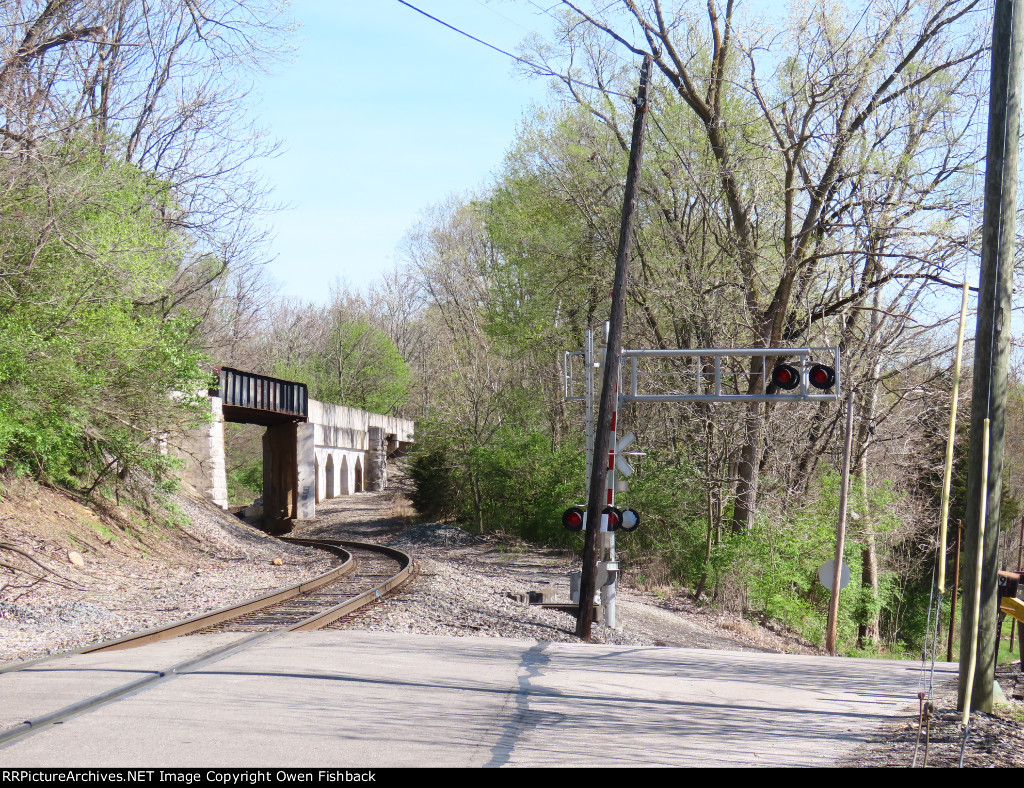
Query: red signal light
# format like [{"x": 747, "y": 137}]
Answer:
[
  {"x": 573, "y": 518},
  {"x": 785, "y": 377},
  {"x": 614, "y": 517},
  {"x": 822, "y": 377}
]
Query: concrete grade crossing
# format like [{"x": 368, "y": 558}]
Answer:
[{"x": 351, "y": 699}]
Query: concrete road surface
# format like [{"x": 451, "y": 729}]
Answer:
[{"x": 358, "y": 699}]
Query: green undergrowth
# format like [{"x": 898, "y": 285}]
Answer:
[{"x": 519, "y": 484}]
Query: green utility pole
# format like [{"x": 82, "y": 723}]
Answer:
[
  {"x": 609, "y": 390},
  {"x": 991, "y": 352}
]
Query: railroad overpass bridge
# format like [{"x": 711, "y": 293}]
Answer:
[{"x": 312, "y": 450}]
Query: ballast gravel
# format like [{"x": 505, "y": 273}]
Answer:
[
  {"x": 466, "y": 585},
  {"x": 125, "y": 585},
  {"x": 453, "y": 597},
  {"x": 473, "y": 586}
]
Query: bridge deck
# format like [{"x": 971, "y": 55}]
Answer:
[{"x": 249, "y": 398}]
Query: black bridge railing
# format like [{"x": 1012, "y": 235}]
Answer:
[{"x": 257, "y": 392}]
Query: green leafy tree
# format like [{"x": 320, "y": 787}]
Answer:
[
  {"x": 360, "y": 366},
  {"x": 93, "y": 370},
  {"x": 353, "y": 363}
]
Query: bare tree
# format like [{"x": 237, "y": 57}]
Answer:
[
  {"x": 834, "y": 138},
  {"x": 162, "y": 86}
]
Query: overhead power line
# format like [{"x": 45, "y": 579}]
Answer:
[{"x": 541, "y": 70}]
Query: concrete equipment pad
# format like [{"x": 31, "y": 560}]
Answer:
[{"x": 374, "y": 699}]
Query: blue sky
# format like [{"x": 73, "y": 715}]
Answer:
[{"x": 381, "y": 113}]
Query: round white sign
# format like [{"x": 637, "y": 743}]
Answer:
[{"x": 828, "y": 569}]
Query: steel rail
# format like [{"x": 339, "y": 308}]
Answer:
[
  {"x": 214, "y": 617},
  {"x": 203, "y": 620},
  {"x": 371, "y": 595},
  {"x": 37, "y": 724},
  {"x": 224, "y": 614},
  {"x": 317, "y": 621}
]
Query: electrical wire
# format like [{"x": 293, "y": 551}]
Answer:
[
  {"x": 546, "y": 72},
  {"x": 541, "y": 70},
  {"x": 482, "y": 4}
]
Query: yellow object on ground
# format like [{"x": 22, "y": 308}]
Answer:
[{"x": 1012, "y": 606}]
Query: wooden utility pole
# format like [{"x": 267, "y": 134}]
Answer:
[
  {"x": 609, "y": 389},
  {"x": 956, "y": 585},
  {"x": 1020, "y": 566},
  {"x": 991, "y": 353},
  {"x": 844, "y": 490}
]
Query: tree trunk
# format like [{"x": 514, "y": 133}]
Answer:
[
  {"x": 747, "y": 468},
  {"x": 868, "y": 630}
]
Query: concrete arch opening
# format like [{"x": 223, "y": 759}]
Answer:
[
  {"x": 346, "y": 484},
  {"x": 330, "y": 476},
  {"x": 317, "y": 488},
  {"x": 359, "y": 476}
]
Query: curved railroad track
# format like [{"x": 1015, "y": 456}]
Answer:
[
  {"x": 366, "y": 574},
  {"x": 370, "y": 572}
]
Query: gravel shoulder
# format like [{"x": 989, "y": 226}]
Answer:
[{"x": 70, "y": 576}]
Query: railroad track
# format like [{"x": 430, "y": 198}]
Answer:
[
  {"x": 371, "y": 571},
  {"x": 366, "y": 573}
]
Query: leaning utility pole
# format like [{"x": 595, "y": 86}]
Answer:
[
  {"x": 991, "y": 351},
  {"x": 609, "y": 390}
]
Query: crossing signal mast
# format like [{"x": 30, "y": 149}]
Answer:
[{"x": 810, "y": 374}]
